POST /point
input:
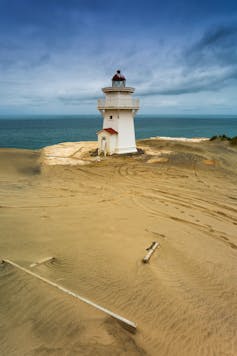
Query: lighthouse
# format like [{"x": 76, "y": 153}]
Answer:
[{"x": 118, "y": 109}]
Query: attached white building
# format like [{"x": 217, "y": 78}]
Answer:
[
  {"x": 107, "y": 141},
  {"x": 118, "y": 109}
]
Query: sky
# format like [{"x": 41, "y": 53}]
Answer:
[{"x": 56, "y": 55}]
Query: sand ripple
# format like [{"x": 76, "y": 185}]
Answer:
[{"x": 97, "y": 221}]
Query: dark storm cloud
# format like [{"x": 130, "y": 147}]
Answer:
[
  {"x": 218, "y": 45},
  {"x": 209, "y": 64},
  {"x": 217, "y": 36},
  {"x": 196, "y": 84}
]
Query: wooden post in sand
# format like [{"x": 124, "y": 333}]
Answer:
[
  {"x": 131, "y": 326},
  {"x": 150, "y": 252}
]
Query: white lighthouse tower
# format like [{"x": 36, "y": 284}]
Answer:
[{"x": 118, "y": 109}]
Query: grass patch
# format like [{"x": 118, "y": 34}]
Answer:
[{"x": 231, "y": 140}]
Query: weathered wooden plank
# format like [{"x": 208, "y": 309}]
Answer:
[
  {"x": 43, "y": 260},
  {"x": 130, "y": 325},
  {"x": 150, "y": 252}
]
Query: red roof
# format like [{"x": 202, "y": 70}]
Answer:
[
  {"x": 118, "y": 76},
  {"x": 110, "y": 131}
]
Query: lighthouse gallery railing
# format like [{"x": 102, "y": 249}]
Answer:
[{"x": 118, "y": 103}]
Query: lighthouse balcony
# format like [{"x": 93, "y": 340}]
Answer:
[{"x": 118, "y": 103}]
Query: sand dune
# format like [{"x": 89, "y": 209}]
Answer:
[{"x": 97, "y": 220}]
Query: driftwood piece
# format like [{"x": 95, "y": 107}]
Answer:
[
  {"x": 151, "y": 246},
  {"x": 129, "y": 325},
  {"x": 43, "y": 260},
  {"x": 151, "y": 250}
]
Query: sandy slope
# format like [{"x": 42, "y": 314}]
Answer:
[{"x": 98, "y": 219}]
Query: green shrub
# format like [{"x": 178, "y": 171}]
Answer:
[
  {"x": 220, "y": 137},
  {"x": 233, "y": 141}
]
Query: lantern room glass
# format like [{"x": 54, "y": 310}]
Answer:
[{"x": 118, "y": 83}]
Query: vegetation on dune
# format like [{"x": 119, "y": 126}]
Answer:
[{"x": 232, "y": 140}]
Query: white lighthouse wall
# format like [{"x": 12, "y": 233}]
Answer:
[
  {"x": 111, "y": 123},
  {"x": 126, "y": 137},
  {"x": 114, "y": 139},
  {"x": 123, "y": 122}
]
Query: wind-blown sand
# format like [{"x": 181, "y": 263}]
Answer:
[{"x": 97, "y": 218}]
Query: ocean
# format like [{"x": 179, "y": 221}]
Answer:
[{"x": 34, "y": 132}]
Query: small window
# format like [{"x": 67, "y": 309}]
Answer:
[{"x": 111, "y": 117}]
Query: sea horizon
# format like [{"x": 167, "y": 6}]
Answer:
[
  {"x": 61, "y": 116},
  {"x": 39, "y": 130}
]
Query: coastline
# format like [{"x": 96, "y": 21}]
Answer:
[{"x": 181, "y": 139}]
